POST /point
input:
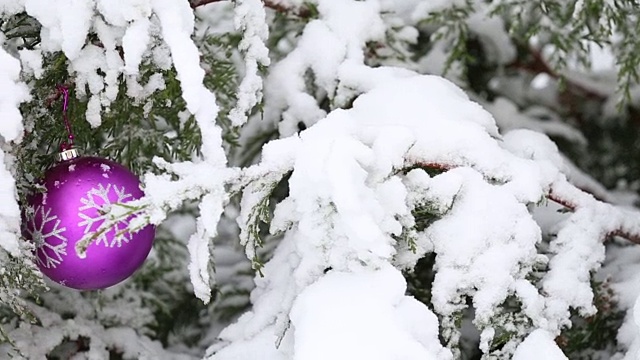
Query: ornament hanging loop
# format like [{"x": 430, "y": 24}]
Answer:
[{"x": 67, "y": 151}]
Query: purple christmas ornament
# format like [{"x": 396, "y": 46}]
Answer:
[{"x": 79, "y": 191}]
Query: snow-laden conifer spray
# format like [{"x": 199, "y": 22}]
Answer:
[{"x": 78, "y": 192}]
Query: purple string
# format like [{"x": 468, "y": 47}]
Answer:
[{"x": 65, "y": 145}]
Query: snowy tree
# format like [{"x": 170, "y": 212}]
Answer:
[{"x": 333, "y": 179}]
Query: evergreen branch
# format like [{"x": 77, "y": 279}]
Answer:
[{"x": 108, "y": 224}]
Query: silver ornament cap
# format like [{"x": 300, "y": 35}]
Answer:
[{"x": 66, "y": 155}]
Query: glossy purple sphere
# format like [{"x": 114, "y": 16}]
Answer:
[{"x": 78, "y": 193}]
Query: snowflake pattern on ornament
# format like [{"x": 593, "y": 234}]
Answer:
[
  {"x": 97, "y": 201},
  {"x": 53, "y": 257}
]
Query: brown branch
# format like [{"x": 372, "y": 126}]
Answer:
[
  {"x": 635, "y": 238},
  {"x": 196, "y": 3},
  {"x": 560, "y": 201},
  {"x": 436, "y": 166}
]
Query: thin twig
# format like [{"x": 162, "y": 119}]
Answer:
[
  {"x": 196, "y": 3},
  {"x": 635, "y": 238},
  {"x": 560, "y": 201}
]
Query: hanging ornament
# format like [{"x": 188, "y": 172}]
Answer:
[{"x": 78, "y": 194}]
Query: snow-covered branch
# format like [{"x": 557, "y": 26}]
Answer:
[
  {"x": 277, "y": 5},
  {"x": 573, "y": 198}
]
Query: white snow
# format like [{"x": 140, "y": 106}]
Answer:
[
  {"x": 134, "y": 44},
  {"x": 539, "y": 345},
  {"x": 251, "y": 20},
  {"x": 337, "y": 310},
  {"x": 9, "y": 211},
  {"x": 622, "y": 269},
  {"x": 12, "y": 93},
  {"x": 65, "y": 24},
  {"x": 120, "y": 14},
  {"x": 11, "y": 7},
  {"x": 32, "y": 61}
]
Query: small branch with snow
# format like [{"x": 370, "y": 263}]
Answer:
[
  {"x": 301, "y": 12},
  {"x": 574, "y": 199},
  {"x": 117, "y": 214},
  {"x": 629, "y": 222}
]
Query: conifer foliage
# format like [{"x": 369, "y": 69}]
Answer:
[{"x": 335, "y": 179}]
